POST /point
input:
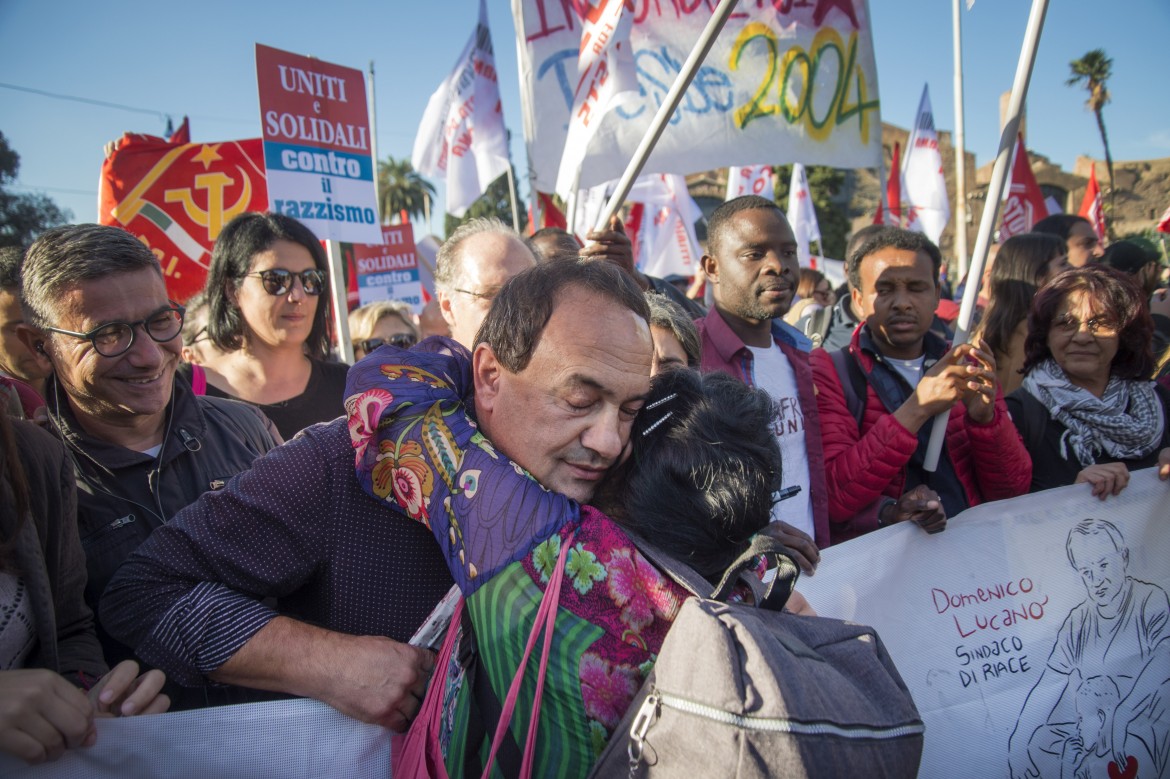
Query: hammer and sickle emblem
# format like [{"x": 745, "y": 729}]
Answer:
[{"x": 214, "y": 183}]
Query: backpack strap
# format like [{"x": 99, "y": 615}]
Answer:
[
  {"x": 853, "y": 383},
  {"x": 773, "y": 596},
  {"x": 816, "y": 325}
]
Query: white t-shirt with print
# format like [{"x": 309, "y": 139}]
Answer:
[{"x": 775, "y": 375}]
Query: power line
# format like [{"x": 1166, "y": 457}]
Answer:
[
  {"x": 31, "y": 189},
  {"x": 106, "y": 104},
  {"x": 76, "y": 99}
]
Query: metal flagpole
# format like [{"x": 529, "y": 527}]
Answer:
[
  {"x": 1007, "y": 141},
  {"x": 673, "y": 97},
  {"x": 959, "y": 148},
  {"x": 512, "y": 198},
  {"x": 340, "y": 306},
  {"x": 372, "y": 101},
  {"x": 571, "y": 204},
  {"x": 537, "y": 206}
]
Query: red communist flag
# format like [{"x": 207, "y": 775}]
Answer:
[
  {"x": 1091, "y": 205},
  {"x": 1025, "y": 203},
  {"x": 177, "y": 197}
]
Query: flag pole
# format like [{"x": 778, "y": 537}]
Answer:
[
  {"x": 372, "y": 101},
  {"x": 512, "y": 198},
  {"x": 666, "y": 110},
  {"x": 959, "y": 148},
  {"x": 340, "y": 306},
  {"x": 1007, "y": 141},
  {"x": 571, "y": 204}
]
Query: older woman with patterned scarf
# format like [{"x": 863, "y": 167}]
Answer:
[{"x": 1087, "y": 409}]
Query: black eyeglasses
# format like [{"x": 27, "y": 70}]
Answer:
[
  {"x": 116, "y": 338},
  {"x": 401, "y": 340},
  {"x": 278, "y": 281}
]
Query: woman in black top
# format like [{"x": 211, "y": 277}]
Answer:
[
  {"x": 1087, "y": 409},
  {"x": 269, "y": 322}
]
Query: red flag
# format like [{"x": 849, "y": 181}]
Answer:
[
  {"x": 176, "y": 199},
  {"x": 1164, "y": 223},
  {"x": 1091, "y": 205},
  {"x": 893, "y": 192},
  {"x": 1025, "y": 203},
  {"x": 181, "y": 135},
  {"x": 550, "y": 215}
]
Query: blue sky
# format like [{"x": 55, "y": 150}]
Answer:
[{"x": 199, "y": 59}]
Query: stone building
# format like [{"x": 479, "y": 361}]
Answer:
[{"x": 1142, "y": 189}]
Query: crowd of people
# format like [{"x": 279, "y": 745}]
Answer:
[{"x": 202, "y": 492}]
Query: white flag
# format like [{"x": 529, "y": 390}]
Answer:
[
  {"x": 801, "y": 214},
  {"x": 462, "y": 137},
  {"x": 750, "y": 180},
  {"x": 590, "y": 203},
  {"x": 666, "y": 243},
  {"x": 605, "y": 77},
  {"x": 924, "y": 186}
]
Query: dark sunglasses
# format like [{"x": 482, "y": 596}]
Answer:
[
  {"x": 401, "y": 340},
  {"x": 278, "y": 281}
]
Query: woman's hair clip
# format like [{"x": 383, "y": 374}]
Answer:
[
  {"x": 665, "y": 417},
  {"x": 660, "y": 401}
]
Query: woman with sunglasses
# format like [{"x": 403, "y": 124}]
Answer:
[
  {"x": 268, "y": 319},
  {"x": 381, "y": 322}
]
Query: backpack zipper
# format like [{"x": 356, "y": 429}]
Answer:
[{"x": 649, "y": 711}]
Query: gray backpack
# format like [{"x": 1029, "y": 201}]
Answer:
[{"x": 741, "y": 691}]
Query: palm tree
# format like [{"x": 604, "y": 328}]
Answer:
[
  {"x": 1093, "y": 70},
  {"x": 402, "y": 188}
]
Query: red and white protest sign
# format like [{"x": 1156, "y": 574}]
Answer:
[
  {"x": 389, "y": 271},
  {"x": 317, "y": 145}
]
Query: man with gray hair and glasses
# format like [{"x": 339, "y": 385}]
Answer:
[
  {"x": 471, "y": 267},
  {"x": 143, "y": 445}
]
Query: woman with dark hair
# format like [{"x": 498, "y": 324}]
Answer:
[
  {"x": 1024, "y": 263},
  {"x": 49, "y": 652},
  {"x": 268, "y": 319},
  {"x": 699, "y": 478},
  {"x": 1087, "y": 409}
]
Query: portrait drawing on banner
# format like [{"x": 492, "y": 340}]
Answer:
[{"x": 1101, "y": 707}]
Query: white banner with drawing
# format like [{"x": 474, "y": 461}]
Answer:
[
  {"x": 1032, "y": 633},
  {"x": 1040, "y": 621}
]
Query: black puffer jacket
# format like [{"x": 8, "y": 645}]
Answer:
[{"x": 123, "y": 495}]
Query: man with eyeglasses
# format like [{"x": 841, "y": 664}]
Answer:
[
  {"x": 472, "y": 265},
  {"x": 143, "y": 445}
]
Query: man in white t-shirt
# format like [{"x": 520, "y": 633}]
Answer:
[{"x": 752, "y": 268}]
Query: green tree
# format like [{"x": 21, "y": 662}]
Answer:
[
  {"x": 494, "y": 202},
  {"x": 1093, "y": 71},
  {"x": 825, "y": 185},
  {"x": 23, "y": 217},
  {"x": 402, "y": 188}
]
